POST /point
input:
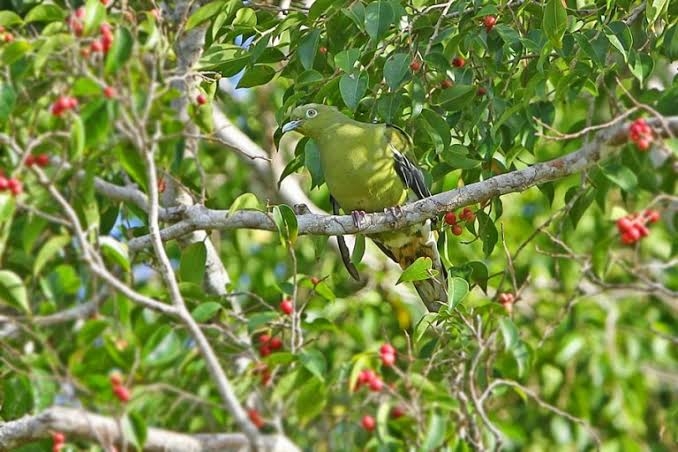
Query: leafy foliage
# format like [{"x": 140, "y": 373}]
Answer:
[{"x": 584, "y": 354}]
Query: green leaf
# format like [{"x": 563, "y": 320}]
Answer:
[
  {"x": 353, "y": 88},
  {"x": 13, "y": 291},
  {"x": 435, "y": 432},
  {"x": 246, "y": 201},
  {"x": 554, "y": 22},
  {"x": 120, "y": 52},
  {"x": 205, "y": 311},
  {"x": 487, "y": 232},
  {"x": 256, "y": 75},
  {"x": 134, "y": 429},
  {"x": 654, "y": 9},
  {"x": 438, "y": 130},
  {"x": 457, "y": 289},
  {"x": 620, "y": 36},
  {"x": 77, "y": 147},
  {"x": 312, "y": 164},
  {"x": 192, "y": 265},
  {"x": 311, "y": 400},
  {"x": 358, "y": 249},
  {"x": 132, "y": 164},
  {"x": 7, "y": 101},
  {"x": 621, "y": 175},
  {"x": 388, "y": 106},
  {"x": 356, "y": 13},
  {"x": 314, "y": 361},
  {"x": 204, "y": 13},
  {"x": 641, "y": 65},
  {"x": 346, "y": 60},
  {"x": 95, "y": 13},
  {"x": 45, "y": 12},
  {"x": 509, "y": 332},
  {"x": 456, "y": 97},
  {"x": 163, "y": 347},
  {"x": 378, "y": 17},
  {"x": 396, "y": 68},
  {"x": 286, "y": 222},
  {"x": 50, "y": 249},
  {"x": 9, "y": 18},
  {"x": 260, "y": 319},
  {"x": 17, "y": 397},
  {"x": 115, "y": 252},
  {"x": 308, "y": 49},
  {"x": 419, "y": 270},
  {"x": 670, "y": 45},
  {"x": 14, "y": 51}
]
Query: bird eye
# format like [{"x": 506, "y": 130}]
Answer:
[{"x": 311, "y": 113}]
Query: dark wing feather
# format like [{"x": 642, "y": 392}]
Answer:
[{"x": 408, "y": 172}]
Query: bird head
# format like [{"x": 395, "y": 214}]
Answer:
[{"x": 311, "y": 119}]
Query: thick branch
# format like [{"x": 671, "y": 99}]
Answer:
[
  {"x": 198, "y": 217},
  {"x": 96, "y": 428}
]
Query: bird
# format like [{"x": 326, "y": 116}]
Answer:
[{"x": 370, "y": 167}]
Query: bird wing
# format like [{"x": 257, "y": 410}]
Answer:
[{"x": 401, "y": 147}]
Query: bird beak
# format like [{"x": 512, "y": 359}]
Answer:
[{"x": 291, "y": 125}]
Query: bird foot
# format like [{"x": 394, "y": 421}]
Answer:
[
  {"x": 396, "y": 211},
  {"x": 358, "y": 217}
]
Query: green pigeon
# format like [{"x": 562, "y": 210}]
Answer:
[{"x": 370, "y": 168}]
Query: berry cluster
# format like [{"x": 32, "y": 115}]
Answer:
[
  {"x": 119, "y": 389},
  {"x": 41, "y": 160},
  {"x": 13, "y": 185},
  {"x": 75, "y": 21},
  {"x": 489, "y": 22},
  {"x": 507, "y": 299},
  {"x": 58, "y": 441},
  {"x": 641, "y": 134},
  {"x": 369, "y": 378},
  {"x": 5, "y": 36},
  {"x": 633, "y": 227},
  {"x": 387, "y": 354},
  {"x": 466, "y": 215},
  {"x": 268, "y": 344},
  {"x": 105, "y": 42},
  {"x": 63, "y": 104}
]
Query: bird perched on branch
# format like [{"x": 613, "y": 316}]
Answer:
[{"x": 370, "y": 168}]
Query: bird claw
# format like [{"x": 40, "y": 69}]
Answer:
[
  {"x": 358, "y": 217},
  {"x": 396, "y": 211}
]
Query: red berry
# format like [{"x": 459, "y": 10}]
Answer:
[
  {"x": 366, "y": 376},
  {"x": 467, "y": 214},
  {"x": 286, "y": 306},
  {"x": 264, "y": 350},
  {"x": 458, "y": 62},
  {"x": 8, "y": 37},
  {"x": 642, "y": 230},
  {"x": 4, "y": 183},
  {"x": 110, "y": 92},
  {"x": 643, "y": 144},
  {"x": 633, "y": 233},
  {"x": 116, "y": 379},
  {"x": 42, "y": 160},
  {"x": 415, "y": 65},
  {"x": 15, "y": 186},
  {"x": 451, "y": 218},
  {"x": 201, "y": 99},
  {"x": 481, "y": 91},
  {"x": 72, "y": 102},
  {"x": 264, "y": 339},
  {"x": 276, "y": 343},
  {"x": 624, "y": 224},
  {"x": 652, "y": 215},
  {"x": 387, "y": 349},
  {"x": 80, "y": 12},
  {"x": 255, "y": 418},
  {"x": 397, "y": 411},
  {"x": 368, "y": 423},
  {"x": 323, "y": 50},
  {"x": 104, "y": 2},
  {"x": 106, "y": 42},
  {"x": 376, "y": 384},
  {"x": 2, "y": 29},
  {"x": 447, "y": 83},
  {"x": 162, "y": 185},
  {"x": 30, "y": 160},
  {"x": 122, "y": 393},
  {"x": 314, "y": 280},
  {"x": 58, "y": 438},
  {"x": 96, "y": 47},
  {"x": 628, "y": 239},
  {"x": 506, "y": 298},
  {"x": 388, "y": 359},
  {"x": 456, "y": 230},
  {"x": 489, "y": 22}
]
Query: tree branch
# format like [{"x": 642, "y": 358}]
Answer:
[
  {"x": 93, "y": 427},
  {"x": 596, "y": 150}
]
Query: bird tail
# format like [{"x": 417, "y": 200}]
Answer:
[{"x": 407, "y": 245}]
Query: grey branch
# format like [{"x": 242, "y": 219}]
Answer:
[
  {"x": 85, "y": 425},
  {"x": 597, "y": 149}
]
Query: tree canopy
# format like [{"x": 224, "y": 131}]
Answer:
[{"x": 169, "y": 279}]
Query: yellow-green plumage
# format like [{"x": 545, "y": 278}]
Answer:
[{"x": 368, "y": 167}]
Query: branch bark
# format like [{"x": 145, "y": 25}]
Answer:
[
  {"x": 597, "y": 149},
  {"x": 93, "y": 427}
]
